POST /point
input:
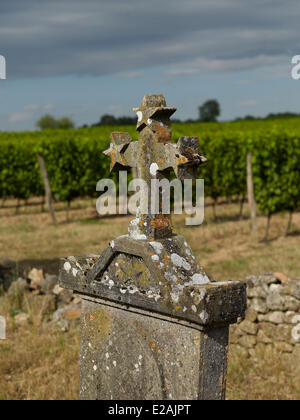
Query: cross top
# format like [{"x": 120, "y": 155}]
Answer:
[{"x": 154, "y": 155}]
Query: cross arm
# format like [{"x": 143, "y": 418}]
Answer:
[
  {"x": 183, "y": 157},
  {"x": 122, "y": 151}
]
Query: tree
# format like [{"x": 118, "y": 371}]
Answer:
[
  {"x": 209, "y": 111},
  {"x": 46, "y": 122},
  {"x": 49, "y": 122},
  {"x": 65, "y": 123},
  {"x": 107, "y": 120}
]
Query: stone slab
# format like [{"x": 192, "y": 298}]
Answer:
[
  {"x": 158, "y": 276},
  {"x": 133, "y": 356}
]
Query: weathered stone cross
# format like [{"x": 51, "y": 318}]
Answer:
[
  {"x": 154, "y": 156},
  {"x": 154, "y": 326}
]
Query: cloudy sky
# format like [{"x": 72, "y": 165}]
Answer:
[{"x": 86, "y": 58}]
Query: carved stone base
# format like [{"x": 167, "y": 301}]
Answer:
[{"x": 128, "y": 355}]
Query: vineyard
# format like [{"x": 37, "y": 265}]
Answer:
[
  {"x": 43, "y": 355},
  {"x": 75, "y": 162}
]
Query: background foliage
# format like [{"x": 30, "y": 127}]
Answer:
[{"x": 75, "y": 161}]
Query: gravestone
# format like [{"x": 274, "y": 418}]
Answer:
[{"x": 153, "y": 325}]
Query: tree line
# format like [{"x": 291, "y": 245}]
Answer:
[{"x": 209, "y": 111}]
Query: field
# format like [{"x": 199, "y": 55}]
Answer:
[
  {"x": 75, "y": 162},
  {"x": 37, "y": 362},
  {"x": 224, "y": 246}
]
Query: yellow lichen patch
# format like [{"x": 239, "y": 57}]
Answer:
[
  {"x": 162, "y": 223},
  {"x": 101, "y": 323},
  {"x": 197, "y": 340},
  {"x": 181, "y": 160},
  {"x": 162, "y": 132}
]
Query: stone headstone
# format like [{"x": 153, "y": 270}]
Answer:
[{"x": 153, "y": 325}]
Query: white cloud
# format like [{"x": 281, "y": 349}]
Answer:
[
  {"x": 248, "y": 102},
  {"x": 113, "y": 37},
  {"x": 117, "y": 110},
  {"x": 19, "y": 117},
  {"x": 131, "y": 74},
  {"x": 47, "y": 107},
  {"x": 32, "y": 107},
  {"x": 182, "y": 72}
]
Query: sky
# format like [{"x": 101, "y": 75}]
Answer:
[{"x": 83, "y": 59}]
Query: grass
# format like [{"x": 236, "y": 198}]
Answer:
[
  {"x": 39, "y": 362},
  {"x": 224, "y": 246},
  {"x": 267, "y": 376}
]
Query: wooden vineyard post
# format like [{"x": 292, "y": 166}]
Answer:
[
  {"x": 48, "y": 193},
  {"x": 251, "y": 197}
]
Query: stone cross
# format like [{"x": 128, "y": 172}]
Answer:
[
  {"x": 153, "y": 156},
  {"x": 154, "y": 326}
]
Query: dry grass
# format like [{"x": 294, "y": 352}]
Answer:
[
  {"x": 267, "y": 376},
  {"x": 39, "y": 362},
  {"x": 224, "y": 247}
]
